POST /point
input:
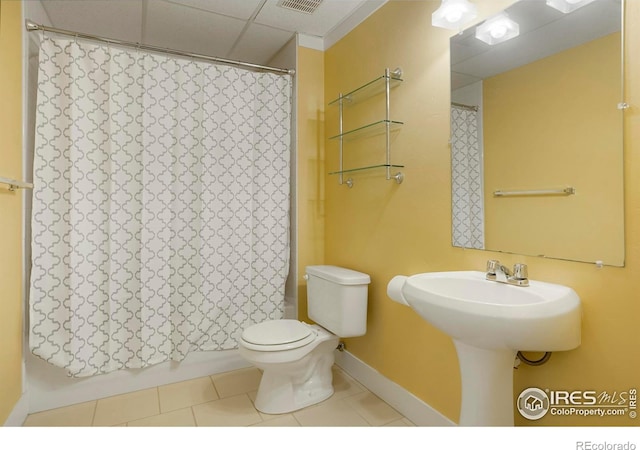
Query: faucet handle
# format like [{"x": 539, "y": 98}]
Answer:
[
  {"x": 520, "y": 272},
  {"x": 492, "y": 266}
]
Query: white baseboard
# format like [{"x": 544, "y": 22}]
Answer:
[
  {"x": 49, "y": 387},
  {"x": 63, "y": 391},
  {"x": 403, "y": 401},
  {"x": 19, "y": 413}
]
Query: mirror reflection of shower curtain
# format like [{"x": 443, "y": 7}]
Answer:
[
  {"x": 467, "y": 195},
  {"x": 160, "y": 207}
]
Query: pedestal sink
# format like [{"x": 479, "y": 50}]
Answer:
[{"x": 489, "y": 323}]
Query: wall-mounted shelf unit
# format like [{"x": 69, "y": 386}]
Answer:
[{"x": 386, "y": 126}]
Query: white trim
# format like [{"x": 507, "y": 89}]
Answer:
[
  {"x": 355, "y": 19},
  {"x": 342, "y": 29},
  {"x": 407, "y": 404},
  {"x": 57, "y": 394},
  {"x": 50, "y": 387},
  {"x": 18, "y": 413},
  {"x": 309, "y": 41}
]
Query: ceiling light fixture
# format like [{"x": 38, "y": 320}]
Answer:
[
  {"x": 567, "y": 6},
  {"x": 497, "y": 29},
  {"x": 453, "y": 14}
]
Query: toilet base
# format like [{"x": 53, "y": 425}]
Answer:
[{"x": 292, "y": 386}]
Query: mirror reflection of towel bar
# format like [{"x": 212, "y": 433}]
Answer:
[{"x": 565, "y": 191}]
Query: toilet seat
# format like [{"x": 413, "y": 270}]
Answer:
[{"x": 278, "y": 335}]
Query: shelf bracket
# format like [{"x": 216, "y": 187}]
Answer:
[{"x": 399, "y": 177}]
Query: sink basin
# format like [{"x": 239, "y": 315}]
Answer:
[
  {"x": 489, "y": 323},
  {"x": 488, "y": 314}
]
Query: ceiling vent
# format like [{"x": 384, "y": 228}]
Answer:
[{"x": 303, "y": 6}]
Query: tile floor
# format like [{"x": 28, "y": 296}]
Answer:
[{"x": 224, "y": 400}]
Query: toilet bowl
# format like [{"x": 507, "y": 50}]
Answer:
[
  {"x": 296, "y": 374},
  {"x": 297, "y": 358}
]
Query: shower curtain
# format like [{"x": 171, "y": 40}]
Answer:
[
  {"x": 160, "y": 206},
  {"x": 467, "y": 189}
]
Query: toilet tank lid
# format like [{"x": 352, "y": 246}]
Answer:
[{"x": 339, "y": 275}]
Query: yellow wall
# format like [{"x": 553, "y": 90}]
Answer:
[
  {"x": 385, "y": 229},
  {"x": 550, "y": 124},
  {"x": 10, "y": 207},
  {"x": 310, "y": 162}
]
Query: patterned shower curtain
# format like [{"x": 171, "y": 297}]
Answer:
[
  {"x": 160, "y": 207},
  {"x": 467, "y": 190}
]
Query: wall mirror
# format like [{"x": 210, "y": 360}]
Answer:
[{"x": 536, "y": 133}]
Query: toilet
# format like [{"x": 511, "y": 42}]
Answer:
[{"x": 296, "y": 358}]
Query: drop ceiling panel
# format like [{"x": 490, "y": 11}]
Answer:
[
  {"x": 107, "y": 18},
  {"x": 210, "y": 27},
  {"x": 173, "y": 26},
  {"x": 259, "y": 43},
  {"x": 329, "y": 14},
  {"x": 240, "y": 9}
]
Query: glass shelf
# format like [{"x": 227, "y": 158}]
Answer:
[
  {"x": 368, "y": 90},
  {"x": 369, "y": 130},
  {"x": 381, "y": 85},
  {"x": 358, "y": 169}
]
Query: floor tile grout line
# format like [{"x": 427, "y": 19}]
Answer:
[
  {"x": 255, "y": 409},
  {"x": 351, "y": 408},
  {"x": 95, "y": 409},
  {"x": 193, "y": 414},
  {"x": 262, "y": 419},
  {"x": 215, "y": 388},
  {"x": 138, "y": 418},
  {"x": 366, "y": 391}
]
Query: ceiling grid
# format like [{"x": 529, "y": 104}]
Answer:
[{"x": 247, "y": 30}]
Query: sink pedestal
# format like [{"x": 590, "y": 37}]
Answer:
[
  {"x": 487, "y": 385},
  {"x": 489, "y": 322}
]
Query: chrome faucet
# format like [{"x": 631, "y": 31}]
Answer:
[{"x": 497, "y": 272}]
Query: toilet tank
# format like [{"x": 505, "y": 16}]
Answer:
[{"x": 337, "y": 299}]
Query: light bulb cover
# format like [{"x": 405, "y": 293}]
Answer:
[
  {"x": 497, "y": 29},
  {"x": 453, "y": 14},
  {"x": 567, "y": 6}
]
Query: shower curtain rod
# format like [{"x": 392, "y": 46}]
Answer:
[
  {"x": 32, "y": 26},
  {"x": 460, "y": 105}
]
